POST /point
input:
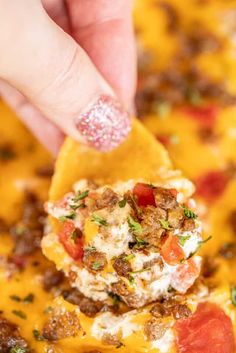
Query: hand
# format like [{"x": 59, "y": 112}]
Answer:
[{"x": 72, "y": 59}]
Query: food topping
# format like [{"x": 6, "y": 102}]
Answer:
[
  {"x": 211, "y": 185},
  {"x": 52, "y": 278},
  {"x": 122, "y": 265},
  {"x": 155, "y": 329},
  {"x": 144, "y": 194},
  {"x": 27, "y": 233},
  {"x": 94, "y": 260},
  {"x": 10, "y": 338},
  {"x": 107, "y": 199},
  {"x": 70, "y": 237},
  {"x": 131, "y": 239},
  {"x": 87, "y": 306},
  {"x": 208, "y": 330},
  {"x": 61, "y": 324},
  {"x": 170, "y": 307},
  {"x": 7, "y": 152}
]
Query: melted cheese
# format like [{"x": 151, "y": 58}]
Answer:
[{"x": 189, "y": 155}]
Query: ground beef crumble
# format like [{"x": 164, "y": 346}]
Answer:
[
  {"x": 10, "y": 337},
  {"x": 176, "y": 218},
  {"x": 164, "y": 198},
  {"x": 182, "y": 82},
  {"x": 132, "y": 300},
  {"x": 3, "y": 226},
  {"x": 111, "y": 340},
  {"x": 45, "y": 171},
  {"x": 173, "y": 20},
  {"x": 107, "y": 199},
  {"x": 170, "y": 307},
  {"x": 7, "y": 152},
  {"x": 94, "y": 260},
  {"x": 27, "y": 233},
  {"x": 209, "y": 266},
  {"x": 122, "y": 266},
  {"x": 87, "y": 306},
  {"x": 154, "y": 329},
  {"x": 60, "y": 325},
  {"x": 152, "y": 231},
  {"x": 52, "y": 278}
]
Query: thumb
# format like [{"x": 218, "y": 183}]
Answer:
[{"x": 57, "y": 76}]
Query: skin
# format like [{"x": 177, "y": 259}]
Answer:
[{"x": 66, "y": 53}]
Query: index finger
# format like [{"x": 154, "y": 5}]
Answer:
[{"x": 104, "y": 29}]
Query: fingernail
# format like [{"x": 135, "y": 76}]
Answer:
[{"x": 105, "y": 125}]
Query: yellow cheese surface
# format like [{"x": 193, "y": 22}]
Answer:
[{"x": 188, "y": 154}]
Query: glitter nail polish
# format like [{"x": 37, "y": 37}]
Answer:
[{"x": 105, "y": 125}]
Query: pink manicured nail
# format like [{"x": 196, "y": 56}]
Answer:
[{"x": 105, "y": 125}]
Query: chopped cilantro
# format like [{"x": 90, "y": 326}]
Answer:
[
  {"x": 131, "y": 280},
  {"x": 7, "y": 153},
  {"x": 122, "y": 203},
  {"x": 140, "y": 271},
  {"x": 48, "y": 309},
  {"x": 80, "y": 196},
  {"x": 120, "y": 344},
  {"x": 165, "y": 224},
  {"x": 69, "y": 216},
  {"x": 18, "y": 349},
  {"x": 134, "y": 205},
  {"x": 20, "y": 229},
  {"x": 189, "y": 213},
  {"x": 162, "y": 109},
  {"x": 75, "y": 207},
  {"x": 140, "y": 243},
  {"x": 96, "y": 266},
  {"x": 14, "y": 297},
  {"x": 129, "y": 257},
  {"x": 75, "y": 235},
  {"x": 193, "y": 96},
  {"x": 200, "y": 243},
  {"x": 29, "y": 298},
  {"x": 37, "y": 335},
  {"x": 205, "y": 240},
  {"x": 116, "y": 299},
  {"x": 183, "y": 239},
  {"x": 174, "y": 139},
  {"x": 20, "y": 314},
  {"x": 233, "y": 295},
  {"x": 90, "y": 248},
  {"x": 135, "y": 227},
  {"x": 98, "y": 220}
]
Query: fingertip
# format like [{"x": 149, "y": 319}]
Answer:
[{"x": 105, "y": 125}]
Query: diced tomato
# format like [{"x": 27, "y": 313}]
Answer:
[
  {"x": 206, "y": 116},
  {"x": 174, "y": 192},
  {"x": 171, "y": 251},
  {"x": 164, "y": 139},
  {"x": 186, "y": 274},
  {"x": 144, "y": 194},
  {"x": 19, "y": 261},
  {"x": 208, "y": 330},
  {"x": 211, "y": 185},
  {"x": 73, "y": 245}
]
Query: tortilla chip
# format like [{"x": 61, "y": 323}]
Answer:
[{"x": 140, "y": 156}]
